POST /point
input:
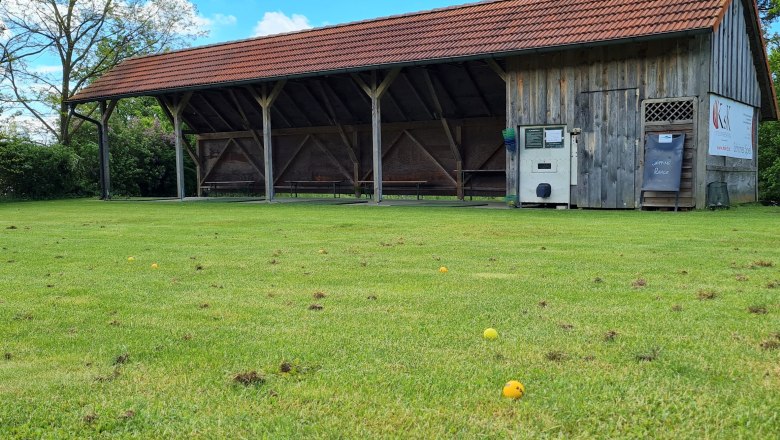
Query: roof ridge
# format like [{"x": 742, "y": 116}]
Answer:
[{"x": 321, "y": 28}]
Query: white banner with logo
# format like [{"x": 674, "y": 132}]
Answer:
[{"x": 731, "y": 128}]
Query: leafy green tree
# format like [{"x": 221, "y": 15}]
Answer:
[{"x": 86, "y": 38}]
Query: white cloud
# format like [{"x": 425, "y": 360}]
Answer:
[
  {"x": 224, "y": 20},
  {"x": 278, "y": 23}
]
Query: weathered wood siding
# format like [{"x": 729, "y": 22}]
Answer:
[
  {"x": 734, "y": 75},
  {"x": 411, "y": 151},
  {"x": 733, "y": 68},
  {"x": 599, "y": 91}
]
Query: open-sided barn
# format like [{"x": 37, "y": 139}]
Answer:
[{"x": 586, "y": 92}]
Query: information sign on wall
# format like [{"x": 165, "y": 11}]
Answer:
[{"x": 731, "y": 128}]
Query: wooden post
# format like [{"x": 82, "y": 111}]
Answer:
[
  {"x": 104, "y": 151},
  {"x": 375, "y": 91},
  {"x": 176, "y": 111},
  {"x": 266, "y": 100},
  {"x": 179, "y": 156},
  {"x": 376, "y": 137},
  {"x": 454, "y": 143}
]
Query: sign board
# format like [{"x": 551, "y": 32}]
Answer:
[
  {"x": 663, "y": 162},
  {"x": 553, "y": 137},
  {"x": 732, "y": 128},
  {"x": 534, "y": 138}
]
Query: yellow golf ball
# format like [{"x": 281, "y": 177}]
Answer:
[
  {"x": 443, "y": 269},
  {"x": 155, "y": 266},
  {"x": 131, "y": 259},
  {"x": 513, "y": 390},
  {"x": 490, "y": 334}
]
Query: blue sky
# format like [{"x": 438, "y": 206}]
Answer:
[{"x": 232, "y": 20}]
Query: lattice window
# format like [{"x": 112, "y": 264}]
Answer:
[{"x": 669, "y": 111}]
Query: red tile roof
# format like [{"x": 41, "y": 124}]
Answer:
[{"x": 477, "y": 29}]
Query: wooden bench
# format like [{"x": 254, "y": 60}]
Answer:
[
  {"x": 368, "y": 185},
  {"x": 469, "y": 175},
  {"x": 296, "y": 184},
  {"x": 228, "y": 184}
]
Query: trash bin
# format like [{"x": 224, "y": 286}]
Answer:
[{"x": 717, "y": 195}]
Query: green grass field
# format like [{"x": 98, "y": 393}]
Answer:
[{"x": 620, "y": 324}]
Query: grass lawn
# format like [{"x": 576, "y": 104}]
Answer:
[{"x": 620, "y": 324}]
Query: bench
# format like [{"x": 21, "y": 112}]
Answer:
[
  {"x": 228, "y": 184},
  {"x": 469, "y": 175},
  {"x": 296, "y": 184},
  {"x": 368, "y": 185}
]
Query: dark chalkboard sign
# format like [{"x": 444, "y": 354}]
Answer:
[{"x": 663, "y": 162}]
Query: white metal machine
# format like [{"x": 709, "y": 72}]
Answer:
[{"x": 546, "y": 165}]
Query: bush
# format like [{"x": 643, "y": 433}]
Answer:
[
  {"x": 769, "y": 161},
  {"x": 32, "y": 171}
]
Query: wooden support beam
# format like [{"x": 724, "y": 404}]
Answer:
[
  {"x": 330, "y": 156},
  {"x": 250, "y": 158},
  {"x": 484, "y": 162},
  {"x": 219, "y": 158},
  {"x": 397, "y": 106},
  {"x": 316, "y": 101},
  {"x": 196, "y": 160},
  {"x": 375, "y": 91},
  {"x": 176, "y": 109},
  {"x": 205, "y": 120},
  {"x": 363, "y": 128},
  {"x": 298, "y": 109},
  {"x": 419, "y": 97},
  {"x": 292, "y": 158},
  {"x": 266, "y": 99},
  {"x": 454, "y": 145},
  {"x": 480, "y": 94},
  {"x": 496, "y": 68},
  {"x": 327, "y": 89},
  {"x": 248, "y": 126},
  {"x": 211, "y": 107},
  {"x": 430, "y": 156},
  {"x": 335, "y": 121},
  {"x": 237, "y": 105},
  {"x": 279, "y": 112},
  {"x": 105, "y": 158},
  {"x": 360, "y": 91}
]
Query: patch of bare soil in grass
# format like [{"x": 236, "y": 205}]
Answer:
[
  {"x": 122, "y": 359},
  {"x": 610, "y": 335},
  {"x": 773, "y": 343},
  {"x": 556, "y": 356},
  {"x": 639, "y": 283},
  {"x": 649, "y": 356},
  {"x": 316, "y": 307},
  {"x": 757, "y": 309},
  {"x": 319, "y": 295},
  {"x": 248, "y": 378},
  {"x": 761, "y": 263},
  {"x": 706, "y": 294}
]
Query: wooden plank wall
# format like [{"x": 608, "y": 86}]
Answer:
[
  {"x": 733, "y": 71},
  {"x": 411, "y": 151},
  {"x": 734, "y": 76},
  {"x": 667, "y": 199},
  {"x": 549, "y": 88}
]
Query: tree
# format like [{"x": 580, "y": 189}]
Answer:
[
  {"x": 769, "y": 10},
  {"x": 83, "y": 39}
]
